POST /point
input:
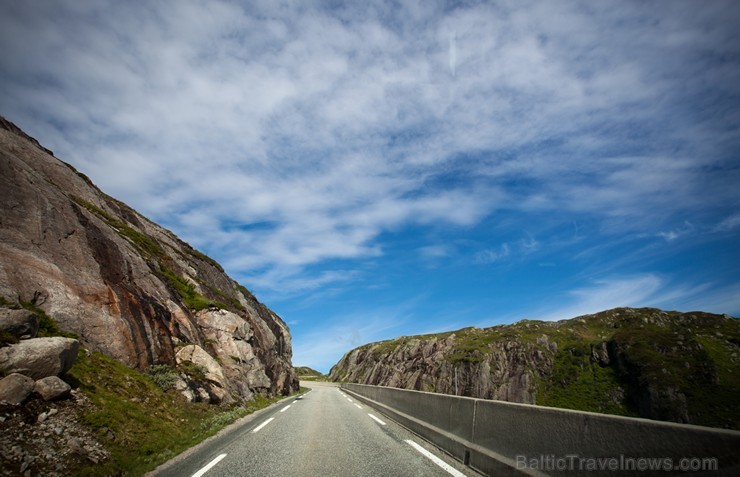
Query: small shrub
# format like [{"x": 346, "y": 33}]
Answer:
[
  {"x": 47, "y": 326},
  {"x": 196, "y": 372},
  {"x": 190, "y": 297},
  {"x": 163, "y": 376},
  {"x": 7, "y": 338}
]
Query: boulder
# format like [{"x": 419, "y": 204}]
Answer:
[
  {"x": 19, "y": 323},
  {"x": 15, "y": 388},
  {"x": 51, "y": 387},
  {"x": 40, "y": 357}
]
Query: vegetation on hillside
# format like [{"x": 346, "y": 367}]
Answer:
[
  {"x": 148, "y": 425},
  {"x": 308, "y": 374},
  {"x": 682, "y": 367},
  {"x": 139, "y": 418}
]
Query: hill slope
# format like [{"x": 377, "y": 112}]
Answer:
[
  {"x": 681, "y": 367},
  {"x": 126, "y": 286}
]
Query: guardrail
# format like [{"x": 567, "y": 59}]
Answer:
[{"x": 503, "y": 438}]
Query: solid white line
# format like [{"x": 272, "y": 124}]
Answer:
[
  {"x": 208, "y": 467},
  {"x": 256, "y": 429},
  {"x": 450, "y": 470},
  {"x": 285, "y": 408},
  {"x": 376, "y": 419},
  {"x": 358, "y": 406}
]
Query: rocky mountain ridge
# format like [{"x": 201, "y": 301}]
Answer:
[
  {"x": 681, "y": 367},
  {"x": 127, "y": 287}
]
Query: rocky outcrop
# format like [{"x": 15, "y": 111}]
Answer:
[
  {"x": 681, "y": 367},
  {"x": 507, "y": 370},
  {"x": 124, "y": 285}
]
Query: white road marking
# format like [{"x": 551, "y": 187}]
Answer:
[
  {"x": 295, "y": 401},
  {"x": 376, "y": 419},
  {"x": 285, "y": 408},
  {"x": 358, "y": 406},
  {"x": 348, "y": 399},
  {"x": 257, "y": 429},
  {"x": 450, "y": 470},
  {"x": 208, "y": 467}
]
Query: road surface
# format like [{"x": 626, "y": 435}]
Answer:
[{"x": 322, "y": 433}]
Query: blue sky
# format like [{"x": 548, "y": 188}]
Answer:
[{"x": 378, "y": 169}]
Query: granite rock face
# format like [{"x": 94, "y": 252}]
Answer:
[{"x": 124, "y": 285}]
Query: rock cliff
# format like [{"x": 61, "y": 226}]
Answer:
[
  {"x": 128, "y": 287},
  {"x": 681, "y": 367}
]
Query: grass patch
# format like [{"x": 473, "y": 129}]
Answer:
[
  {"x": 472, "y": 346},
  {"x": 7, "y": 338},
  {"x": 144, "y": 243},
  {"x": 578, "y": 382},
  {"x": 150, "y": 425},
  {"x": 308, "y": 374},
  {"x": 47, "y": 326},
  {"x": 202, "y": 256},
  {"x": 186, "y": 290}
]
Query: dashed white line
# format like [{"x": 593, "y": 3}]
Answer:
[
  {"x": 348, "y": 399},
  {"x": 285, "y": 408},
  {"x": 209, "y": 466},
  {"x": 358, "y": 406},
  {"x": 258, "y": 428},
  {"x": 450, "y": 470},
  {"x": 376, "y": 419},
  {"x": 295, "y": 401}
]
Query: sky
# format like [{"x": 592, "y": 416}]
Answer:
[{"x": 377, "y": 169}]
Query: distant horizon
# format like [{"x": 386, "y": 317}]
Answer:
[{"x": 372, "y": 170}]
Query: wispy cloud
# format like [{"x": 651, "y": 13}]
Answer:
[
  {"x": 328, "y": 128},
  {"x": 488, "y": 256},
  {"x": 603, "y": 294},
  {"x": 672, "y": 235},
  {"x": 645, "y": 290},
  {"x": 728, "y": 224},
  {"x": 297, "y": 143}
]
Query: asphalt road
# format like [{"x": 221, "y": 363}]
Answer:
[{"x": 323, "y": 433}]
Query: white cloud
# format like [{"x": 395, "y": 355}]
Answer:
[
  {"x": 604, "y": 294},
  {"x": 678, "y": 232},
  {"x": 643, "y": 290},
  {"x": 728, "y": 224},
  {"x": 286, "y": 137},
  {"x": 489, "y": 256},
  {"x": 432, "y": 252}
]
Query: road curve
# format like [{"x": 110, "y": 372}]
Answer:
[{"x": 322, "y": 433}]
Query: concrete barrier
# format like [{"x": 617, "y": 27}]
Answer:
[{"x": 502, "y": 438}]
